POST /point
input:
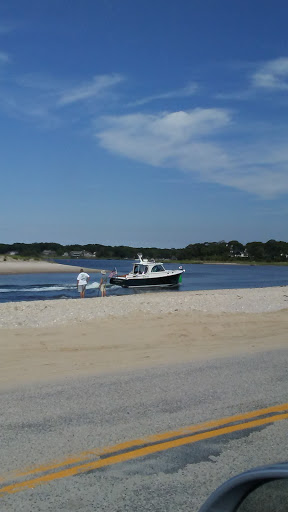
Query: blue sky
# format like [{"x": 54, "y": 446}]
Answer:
[{"x": 156, "y": 123}]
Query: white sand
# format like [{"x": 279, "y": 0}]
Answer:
[
  {"x": 53, "y": 339},
  {"x": 57, "y": 312},
  {"x": 37, "y": 267}
]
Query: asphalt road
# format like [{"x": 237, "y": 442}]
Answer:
[{"x": 46, "y": 424}]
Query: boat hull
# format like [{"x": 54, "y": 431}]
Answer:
[{"x": 142, "y": 282}]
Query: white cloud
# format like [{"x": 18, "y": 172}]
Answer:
[
  {"x": 189, "y": 90},
  {"x": 272, "y": 75},
  {"x": 188, "y": 141},
  {"x": 167, "y": 139},
  {"x": 4, "y": 58},
  {"x": 99, "y": 85}
]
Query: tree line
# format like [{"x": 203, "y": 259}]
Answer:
[{"x": 271, "y": 251}]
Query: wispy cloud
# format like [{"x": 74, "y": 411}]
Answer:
[
  {"x": 189, "y": 90},
  {"x": 28, "y": 108},
  {"x": 189, "y": 141},
  {"x": 99, "y": 85},
  {"x": 41, "y": 83},
  {"x": 4, "y": 58},
  {"x": 42, "y": 97},
  {"x": 268, "y": 76},
  {"x": 30, "y": 97},
  {"x": 272, "y": 75},
  {"x": 6, "y": 27},
  {"x": 235, "y": 95}
]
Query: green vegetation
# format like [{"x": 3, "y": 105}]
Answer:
[{"x": 272, "y": 252}]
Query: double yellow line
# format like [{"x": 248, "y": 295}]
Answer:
[{"x": 136, "y": 448}]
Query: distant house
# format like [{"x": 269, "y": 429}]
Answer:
[
  {"x": 66, "y": 255},
  {"x": 47, "y": 252},
  {"x": 13, "y": 253},
  {"x": 81, "y": 254},
  {"x": 241, "y": 254},
  {"x": 77, "y": 254},
  {"x": 89, "y": 254},
  {"x": 237, "y": 253}
]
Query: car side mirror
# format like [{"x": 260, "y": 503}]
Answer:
[
  {"x": 258, "y": 490},
  {"x": 269, "y": 497}
]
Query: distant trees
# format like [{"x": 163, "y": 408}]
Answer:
[
  {"x": 207, "y": 251},
  {"x": 236, "y": 247},
  {"x": 256, "y": 250},
  {"x": 270, "y": 251},
  {"x": 35, "y": 249}
]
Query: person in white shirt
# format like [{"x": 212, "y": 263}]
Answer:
[{"x": 82, "y": 281}]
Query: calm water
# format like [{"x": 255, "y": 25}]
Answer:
[{"x": 196, "y": 277}]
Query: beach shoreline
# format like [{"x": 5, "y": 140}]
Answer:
[
  {"x": 47, "y": 313},
  {"x": 44, "y": 340}
]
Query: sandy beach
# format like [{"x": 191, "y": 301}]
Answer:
[
  {"x": 12, "y": 266},
  {"x": 53, "y": 339}
]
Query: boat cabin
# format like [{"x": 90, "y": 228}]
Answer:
[
  {"x": 146, "y": 267},
  {"x": 142, "y": 268}
]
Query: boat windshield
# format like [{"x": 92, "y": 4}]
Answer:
[
  {"x": 140, "y": 269},
  {"x": 158, "y": 268}
]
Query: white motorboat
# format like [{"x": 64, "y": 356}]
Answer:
[{"x": 147, "y": 274}]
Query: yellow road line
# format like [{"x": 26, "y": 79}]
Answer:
[
  {"x": 151, "y": 439},
  {"x": 141, "y": 452}
]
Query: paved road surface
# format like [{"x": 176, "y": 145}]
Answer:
[{"x": 49, "y": 423}]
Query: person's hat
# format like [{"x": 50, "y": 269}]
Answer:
[{"x": 103, "y": 271}]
